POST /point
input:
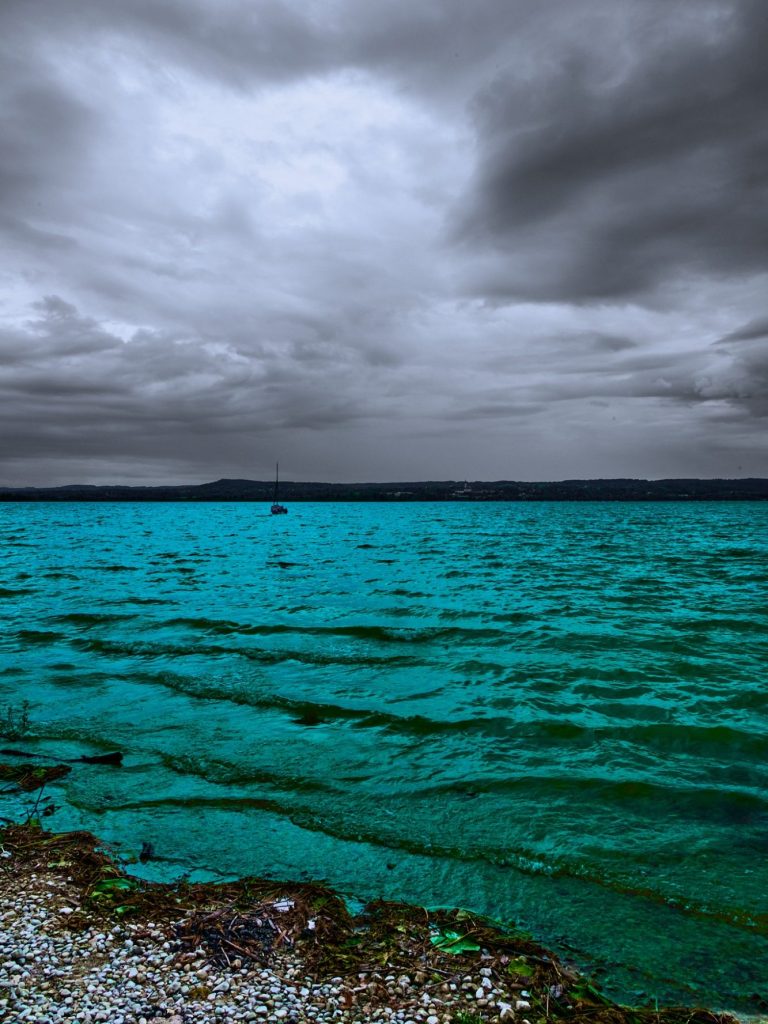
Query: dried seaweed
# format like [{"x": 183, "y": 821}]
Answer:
[
  {"x": 28, "y": 779},
  {"x": 251, "y": 921},
  {"x": 259, "y": 921}
]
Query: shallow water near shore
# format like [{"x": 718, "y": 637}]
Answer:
[{"x": 550, "y": 713}]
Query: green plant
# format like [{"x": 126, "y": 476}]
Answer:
[
  {"x": 14, "y": 723},
  {"x": 452, "y": 942},
  {"x": 465, "y": 1017}
]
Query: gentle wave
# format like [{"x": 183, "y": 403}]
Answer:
[
  {"x": 148, "y": 649},
  {"x": 717, "y": 803},
  {"x": 87, "y": 619},
  {"x": 666, "y": 738},
  {"x": 379, "y": 634},
  {"x": 232, "y": 774},
  {"x": 526, "y": 862}
]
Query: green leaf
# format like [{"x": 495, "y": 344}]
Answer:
[
  {"x": 587, "y": 993},
  {"x": 110, "y": 886},
  {"x": 520, "y": 967},
  {"x": 452, "y": 942}
]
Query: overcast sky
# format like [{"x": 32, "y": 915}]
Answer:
[{"x": 383, "y": 239}]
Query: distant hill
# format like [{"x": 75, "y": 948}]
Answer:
[{"x": 747, "y": 489}]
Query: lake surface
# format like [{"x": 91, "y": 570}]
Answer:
[{"x": 555, "y": 714}]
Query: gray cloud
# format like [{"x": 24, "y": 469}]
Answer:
[
  {"x": 74, "y": 389},
  {"x": 234, "y": 42},
  {"x": 508, "y": 239},
  {"x": 628, "y": 158},
  {"x": 757, "y": 328}
]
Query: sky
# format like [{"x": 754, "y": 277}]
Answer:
[{"x": 401, "y": 240}]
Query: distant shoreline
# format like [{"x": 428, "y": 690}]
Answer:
[{"x": 739, "y": 489}]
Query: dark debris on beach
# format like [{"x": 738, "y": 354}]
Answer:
[
  {"x": 28, "y": 778},
  {"x": 256, "y": 922}
]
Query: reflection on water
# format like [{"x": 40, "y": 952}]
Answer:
[{"x": 554, "y": 713}]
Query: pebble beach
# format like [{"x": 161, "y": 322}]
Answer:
[
  {"x": 67, "y": 956},
  {"x": 132, "y": 974}
]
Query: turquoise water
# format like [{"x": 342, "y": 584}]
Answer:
[{"x": 550, "y": 713}]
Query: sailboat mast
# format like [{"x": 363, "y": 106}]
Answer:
[{"x": 277, "y": 466}]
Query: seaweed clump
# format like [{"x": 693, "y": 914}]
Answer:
[
  {"x": 257, "y": 918},
  {"x": 28, "y": 778}
]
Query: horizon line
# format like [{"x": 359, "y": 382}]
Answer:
[{"x": 375, "y": 483}]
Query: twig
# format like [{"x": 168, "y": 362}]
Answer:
[{"x": 33, "y": 812}]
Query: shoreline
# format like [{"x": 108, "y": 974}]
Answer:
[{"x": 83, "y": 940}]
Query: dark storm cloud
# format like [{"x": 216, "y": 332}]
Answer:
[
  {"x": 56, "y": 334},
  {"x": 70, "y": 387},
  {"x": 45, "y": 131},
  {"x": 232, "y": 41},
  {"x": 603, "y": 175},
  {"x": 232, "y": 230},
  {"x": 743, "y": 380},
  {"x": 744, "y": 353},
  {"x": 749, "y": 332},
  {"x": 32, "y": 239},
  {"x": 41, "y": 129},
  {"x": 605, "y": 342},
  {"x": 433, "y": 45},
  {"x": 738, "y": 380}
]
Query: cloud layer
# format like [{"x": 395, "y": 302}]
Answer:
[{"x": 510, "y": 239}]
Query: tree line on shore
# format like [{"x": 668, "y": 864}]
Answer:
[{"x": 625, "y": 489}]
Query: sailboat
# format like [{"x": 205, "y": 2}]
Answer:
[{"x": 277, "y": 509}]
